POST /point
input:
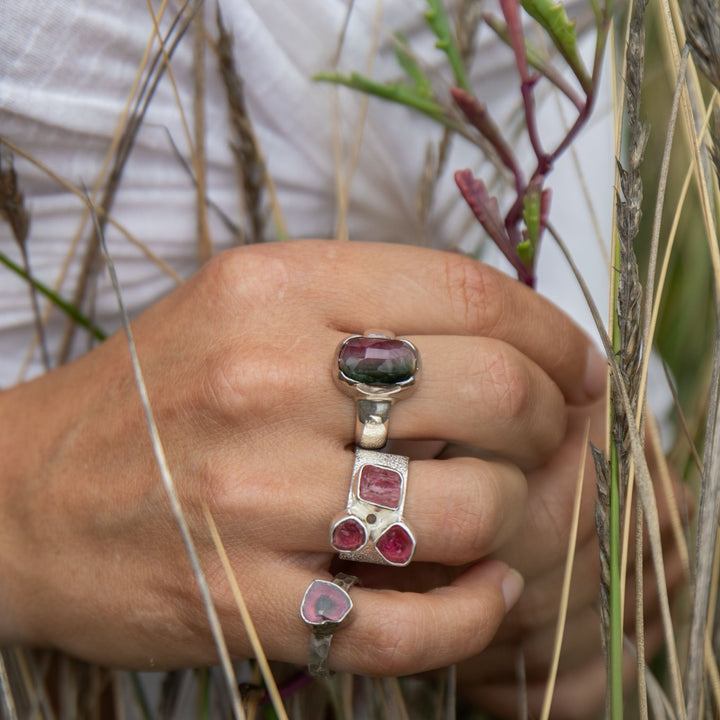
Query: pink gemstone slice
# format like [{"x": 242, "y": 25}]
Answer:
[
  {"x": 348, "y": 535},
  {"x": 325, "y": 602},
  {"x": 380, "y": 486},
  {"x": 396, "y": 545}
]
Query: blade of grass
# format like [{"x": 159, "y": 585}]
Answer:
[
  {"x": 567, "y": 577},
  {"x": 643, "y": 483},
  {"x": 70, "y": 310},
  {"x": 169, "y": 485},
  {"x": 270, "y": 683}
]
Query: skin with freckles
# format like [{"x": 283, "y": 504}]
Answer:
[{"x": 238, "y": 368}]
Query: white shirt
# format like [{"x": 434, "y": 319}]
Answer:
[{"x": 67, "y": 69}]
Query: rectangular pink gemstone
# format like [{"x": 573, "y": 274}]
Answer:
[{"x": 380, "y": 486}]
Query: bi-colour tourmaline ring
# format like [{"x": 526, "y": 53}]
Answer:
[
  {"x": 372, "y": 528},
  {"x": 324, "y": 606},
  {"x": 376, "y": 369}
]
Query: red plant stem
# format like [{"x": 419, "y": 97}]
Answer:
[
  {"x": 511, "y": 12},
  {"x": 479, "y": 117}
]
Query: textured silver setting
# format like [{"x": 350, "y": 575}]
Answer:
[{"x": 375, "y": 517}]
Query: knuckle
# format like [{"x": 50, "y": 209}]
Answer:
[
  {"x": 470, "y": 526},
  {"x": 496, "y": 377},
  {"x": 476, "y": 293},
  {"x": 247, "y": 382},
  {"x": 251, "y": 276}
]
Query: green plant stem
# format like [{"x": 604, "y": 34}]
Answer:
[
  {"x": 616, "y": 631},
  {"x": 56, "y": 300}
]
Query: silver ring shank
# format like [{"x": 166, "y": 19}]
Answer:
[{"x": 371, "y": 428}]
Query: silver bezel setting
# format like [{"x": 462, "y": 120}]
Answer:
[{"x": 375, "y": 518}]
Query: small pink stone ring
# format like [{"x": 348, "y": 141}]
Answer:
[
  {"x": 372, "y": 528},
  {"x": 376, "y": 369},
  {"x": 324, "y": 606}
]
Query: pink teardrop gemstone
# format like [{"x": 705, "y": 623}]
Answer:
[
  {"x": 396, "y": 545},
  {"x": 348, "y": 535},
  {"x": 380, "y": 486},
  {"x": 325, "y": 602}
]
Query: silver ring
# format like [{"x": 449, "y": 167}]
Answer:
[
  {"x": 376, "y": 369},
  {"x": 372, "y": 528},
  {"x": 324, "y": 607}
]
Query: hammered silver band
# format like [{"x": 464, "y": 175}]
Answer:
[
  {"x": 372, "y": 528},
  {"x": 324, "y": 607}
]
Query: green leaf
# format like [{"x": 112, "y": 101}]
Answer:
[
  {"x": 526, "y": 252},
  {"x": 70, "y": 310},
  {"x": 399, "y": 92},
  {"x": 531, "y": 217},
  {"x": 552, "y": 17},
  {"x": 438, "y": 21},
  {"x": 410, "y": 65}
]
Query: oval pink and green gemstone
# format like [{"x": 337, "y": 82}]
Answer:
[{"x": 377, "y": 361}]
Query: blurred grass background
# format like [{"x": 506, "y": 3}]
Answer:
[{"x": 685, "y": 333}]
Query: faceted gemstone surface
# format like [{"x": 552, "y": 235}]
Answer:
[
  {"x": 377, "y": 361},
  {"x": 324, "y": 602},
  {"x": 396, "y": 545},
  {"x": 348, "y": 535},
  {"x": 380, "y": 486}
]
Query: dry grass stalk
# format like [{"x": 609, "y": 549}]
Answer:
[
  {"x": 602, "y": 524},
  {"x": 205, "y": 246},
  {"x": 248, "y": 159},
  {"x": 171, "y": 490},
  {"x": 14, "y": 212},
  {"x": 114, "y": 144},
  {"x": 644, "y": 485},
  {"x": 567, "y": 577},
  {"x": 627, "y": 307},
  {"x": 92, "y": 260},
  {"x": 673, "y": 36},
  {"x": 346, "y": 162},
  {"x": 270, "y": 684},
  {"x": 196, "y": 142},
  {"x": 703, "y": 35},
  {"x": 629, "y": 212}
]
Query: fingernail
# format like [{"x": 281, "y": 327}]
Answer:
[
  {"x": 595, "y": 373},
  {"x": 512, "y": 587}
]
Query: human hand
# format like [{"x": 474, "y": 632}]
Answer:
[
  {"x": 539, "y": 552},
  {"x": 237, "y": 364}
]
